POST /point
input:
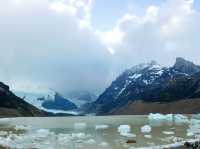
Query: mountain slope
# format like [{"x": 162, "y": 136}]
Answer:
[
  {"x": 12, "y": 106},
  {"x": 58, "y": 103},
  {"x": 81, "y": 97},
  {"x": 150, "y": 83}
]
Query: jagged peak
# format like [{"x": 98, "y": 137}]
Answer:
[
  {"x": 150, "y": 65},
  {"x": 186, "y": 66},
  {"x": 182, "y": 61}
]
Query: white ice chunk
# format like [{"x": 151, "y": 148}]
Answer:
[
  {"x": 160, "y": 117},
  {"x": 179, "y": 118},
  {"x": 128, "y": 134},
  {"x": 148, "y": 136},
  {"x": 79, "y": 135},
  {"x": 97, "y": 127},
  {"x": 124, "y": 129},
  {"x": 168, "y": 132},
  {"x": 190, "y": 134},
  {"x": 146, "y": 129}
]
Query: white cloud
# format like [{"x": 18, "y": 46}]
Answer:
[
  {"x": 40, "y": 46},
  {"x": 53, "y": 43},
  {"x": 162, "y": 33}
]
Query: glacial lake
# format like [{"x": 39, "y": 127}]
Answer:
[{"x": 99, "y": 132}]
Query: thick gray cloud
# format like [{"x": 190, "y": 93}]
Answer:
[
  {"x": 40, "y": 46},
  {"x": 53, "y": 43}
]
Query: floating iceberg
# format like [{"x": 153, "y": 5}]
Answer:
[
  {"x": 146, "y": 129},
  {"x": 97, "y": 127},
  {"x": 179, "y": 118},
  {"x": 125, "y": 130},
  {"x": 148, "y": 136},
  {"x": 168, "y": 132},
  {"x": 160, "y": 117}
]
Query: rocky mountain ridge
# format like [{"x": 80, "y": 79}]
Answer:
[
  {"x": 13, "y": 106},
  {"x": 150, "y": 82}
]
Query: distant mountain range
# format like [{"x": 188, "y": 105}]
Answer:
[
  {"x": 150, "y": 87},
  {"x": 142, "y": 89},
  {"x": 52, "y": 101}
]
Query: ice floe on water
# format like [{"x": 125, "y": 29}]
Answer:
[
  {"x": 146, "y": 129},
  {"x": 105, "y": 135},
  {"x": 22, "y": 127},
  {"x": 102, "y": 126},
  {"x": 125, "y": 130},
  {"x": 160, "y": 117},
  {"x": 148, "y": 136},
  {"x": 175, "y": 118},
  {"x": 179, "y": 118},
  {"x": 168, "y": 132}
]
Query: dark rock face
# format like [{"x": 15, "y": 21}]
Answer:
[
  {"x": 186, "y": 66},
  {"x": 11, "y": 105},
  {"x": 150, "y": 83},
  {"x": 59, "y": 103}
]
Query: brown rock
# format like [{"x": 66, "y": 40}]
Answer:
[{"x": 130, "y": 141}]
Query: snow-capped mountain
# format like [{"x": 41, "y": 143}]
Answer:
[
  {"x": 48, "y": 100},
  {"x": 81, "y": 97},
  {"x": 36, "y": 98},
  {"x": 58, "y": 103},
  {"x": 151, "y": 82}
]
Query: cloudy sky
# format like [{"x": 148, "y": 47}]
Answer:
[{"x": 84, "y": 44}]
